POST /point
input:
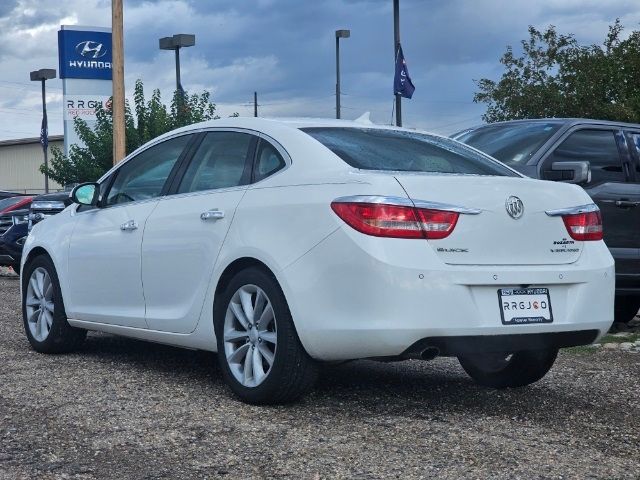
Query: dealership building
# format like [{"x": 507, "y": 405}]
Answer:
[{"x": 20, "y": 162}]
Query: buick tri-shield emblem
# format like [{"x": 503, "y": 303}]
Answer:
[{"x": 515, "y": 207}]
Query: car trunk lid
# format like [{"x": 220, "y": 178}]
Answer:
[{"x": 494, "y": 237}]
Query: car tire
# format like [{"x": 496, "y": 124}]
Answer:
[
  {"x": 246, "y": 343},
  {"x": 626, "y": 308},
  {"x": 43, "y": 313},
  {"x": 503, "y": 370}
]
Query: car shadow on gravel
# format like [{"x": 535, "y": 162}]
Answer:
[{"x": 408, "y": 388}]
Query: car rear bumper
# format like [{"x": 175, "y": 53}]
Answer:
[
  {"x": 378, "y": 297},
  {"x": 453, "y": 346}
]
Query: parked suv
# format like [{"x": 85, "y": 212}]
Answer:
[
  {"x": 19, "y": 217},
  {"x": 603, "y": 157},
  {"x": 13, "y": 233},
  {"x": 20, "y": 202},
  {"x": 44, "y": 206}
]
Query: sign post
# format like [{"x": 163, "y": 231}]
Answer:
[{"x": 86, "y": 61}]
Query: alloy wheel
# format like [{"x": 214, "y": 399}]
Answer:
[
  {"x": 39, "y": 304},
  {"x": 250, "y": 335}
]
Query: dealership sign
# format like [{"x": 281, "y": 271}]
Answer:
[
  {"x": 84, "y": 106},
  {"x": 84, "y": 54}
]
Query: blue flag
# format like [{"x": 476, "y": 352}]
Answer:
[
  {"x": 402, "y": 84},
  {"x": 44, "y": 132}
]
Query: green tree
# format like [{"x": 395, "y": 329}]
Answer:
[
  {"x": 152, "y": 118},
  {"x": 555, "y": 76}
]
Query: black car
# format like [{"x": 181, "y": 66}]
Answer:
[
  {"x": 13, "y": 233},
  {"x": 601, "y": 156},
  {"x": 44, "y": 206}
]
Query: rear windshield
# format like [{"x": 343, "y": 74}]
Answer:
[
  {"x": 9, "y": 202},
  {"x": 395, "y": 150},
  {"x": 514, "y": 143}
]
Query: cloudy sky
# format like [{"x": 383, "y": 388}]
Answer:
[{"x": 284, "y": 49}]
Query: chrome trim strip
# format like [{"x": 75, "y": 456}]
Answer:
[
  {"x": 446, "y": 206},
  {"x": 591, "y": 207},
  {"x": 405, "y": 202}
]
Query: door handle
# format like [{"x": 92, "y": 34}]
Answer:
[
  {"x": 214, "y": 214},
  {"x": 626, "y": 204},
  {"x": 128, "y": 226}
]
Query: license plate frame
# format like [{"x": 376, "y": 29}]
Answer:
[{"x": 519, "y": 296}]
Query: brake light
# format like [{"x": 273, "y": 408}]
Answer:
[
  {"x": 394, "y": 221},
  {"x": 584, "y": 226}
]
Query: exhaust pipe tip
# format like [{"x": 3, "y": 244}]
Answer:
[{"x": 429, "y": 353}]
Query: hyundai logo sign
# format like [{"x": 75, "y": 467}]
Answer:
[
  {"x": 85, "y": 54},
  {"x": 91, "y": 49}
]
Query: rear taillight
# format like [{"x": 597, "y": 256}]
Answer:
[
  {"x": 382, "y": 220},
  {"x": 584, "y": 226}
]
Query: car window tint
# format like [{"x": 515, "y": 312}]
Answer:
[
  {"x": 269, "y": 161},
  {"x": 635, "y": 136},
  {"x": 511, "y": 143},
  {"x": 143, "y": 176},
  {"x": 598, "y": 147},
  {"x": 9, "y": 202},
  {"x": 220, "y": 162},
  {"x": 397, "y": 150}
]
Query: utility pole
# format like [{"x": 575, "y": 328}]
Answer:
[
  {"x": 396, "y": 43},
  {"x": 255, "y": 104},
  {"x": 117, "y": 47}
]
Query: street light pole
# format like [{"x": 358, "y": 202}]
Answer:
[
  {"x": 175, "y": 43},
  {"x": 339, "y": 34},
  {"x": 42, "y": 76},
  {"x": 396, "y": 42},
  {"x": 177, "y": 68},
  {"x": 45, "y": 142}
]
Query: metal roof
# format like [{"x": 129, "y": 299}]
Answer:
[{"x": 30, "y": 140}]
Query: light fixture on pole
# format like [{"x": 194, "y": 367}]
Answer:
[
  {"x": 175, "y": 43},
  {"x": 339, "y": 34},
  {"x": 42, "y": 76}
]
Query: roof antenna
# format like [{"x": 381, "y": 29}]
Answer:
[{"x": 364, "y": 119}]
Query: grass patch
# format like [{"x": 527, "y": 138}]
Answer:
[{"x": 611, "y": 339}]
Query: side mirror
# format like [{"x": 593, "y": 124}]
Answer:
[
  {"x": 570, "y": 172},
  {"x": 86, "y": 194}
]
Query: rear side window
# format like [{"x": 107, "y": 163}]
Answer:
[
  {"x": 394, "y": 150},
  {"x": 220, "y": 162},
  {"x": 269, "y": 161},
  {"x": 9, "y": 202}
]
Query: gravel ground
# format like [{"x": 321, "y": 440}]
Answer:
[{"x": 127, "y": 409}]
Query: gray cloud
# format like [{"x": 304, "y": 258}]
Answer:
[{"x": 284, "y": 49}]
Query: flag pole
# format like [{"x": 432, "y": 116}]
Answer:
[{"x": 396, "y": 42}]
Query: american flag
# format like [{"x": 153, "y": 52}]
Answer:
[{"x": 44, "y": 132}]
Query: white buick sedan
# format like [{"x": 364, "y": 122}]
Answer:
[{"x": 285, "y": 244}]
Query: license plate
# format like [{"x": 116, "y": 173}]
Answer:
[{"x": 519, "y": 306}]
